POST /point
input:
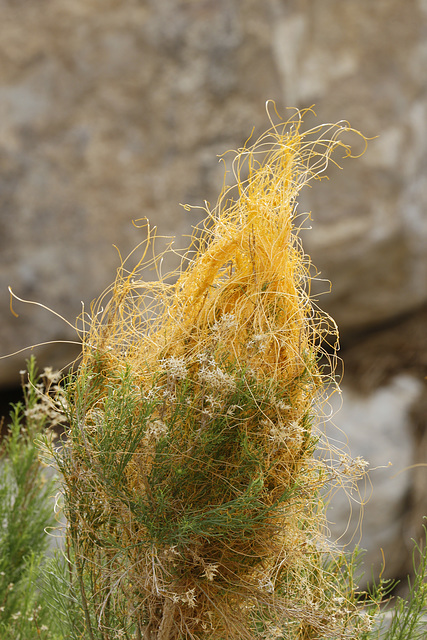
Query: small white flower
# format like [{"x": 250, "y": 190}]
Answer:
[
  {"x": 50, "y": 375},
  {"x": 212, "y": 401},
  {"x": 225, "y": 323},
  {"x": 151, "y": 394},
  {"x": 173, "y": 550},
  {"x": 360, "y": 464},
  {"x": 277, "y": 434},
  {"x": 156, "y": 429},
  {"x": 282, "y": 406},
  {"x": 210, "y": 571},
  {"x": 367, "y": 622},
  {"x": 268, "y": 586},
  {"x": 232, "y": 409}
]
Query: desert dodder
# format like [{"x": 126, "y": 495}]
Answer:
[{"x": 190, "y": 486}]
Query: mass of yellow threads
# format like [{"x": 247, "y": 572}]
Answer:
[{"x": 249, "y": 261}]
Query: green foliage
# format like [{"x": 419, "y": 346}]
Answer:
[
  {"x": 64, "y": 596},
  {"x": 26, "y": 511},
  {"x": 195, "y": 495},
  {"x": 407, "y": 618}
]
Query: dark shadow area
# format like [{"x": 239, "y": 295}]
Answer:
[{"x": 8, "y": 396}]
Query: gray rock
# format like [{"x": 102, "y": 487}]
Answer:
[
  {"x": 377, "y": 427},
  {"x": 111, "y": 116}
]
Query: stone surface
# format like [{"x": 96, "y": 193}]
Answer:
[
  {"x": 377, "y": 427},
  {"x": 112, "y": 111},
  {"x": 384, "y": 415}
]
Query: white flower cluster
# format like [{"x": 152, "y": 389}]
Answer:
[
  {"x": 225, "y": 323},
  {"x": 277, "y": 433},
  {"x": 51, "y": 376},
  {"x": 50, "y": 403},
  {"x": 156, "y": 429},
  {"x": 171, "y": 554},
  {"x": 210, "y": 571},
  {"x": 286, "y": 431},
  {"x": 259, "y": 343},
  {"x": 216, "y": 378},
  {"x": 349, "y": 466},
  {"x": 175, "y": 367},
  {"x": 367, "y": 621},
  {"x": 151, "y": 394},
  {"x": 205, "y": 359},
  {"x": 189, "y": 597}
]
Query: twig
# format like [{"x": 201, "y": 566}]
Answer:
[{"x": 167, "y": 620}]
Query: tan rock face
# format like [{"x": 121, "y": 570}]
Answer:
[{"x": 111, "y": 111}]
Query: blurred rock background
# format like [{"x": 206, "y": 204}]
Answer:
[{"x": 113, "y": 110}]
